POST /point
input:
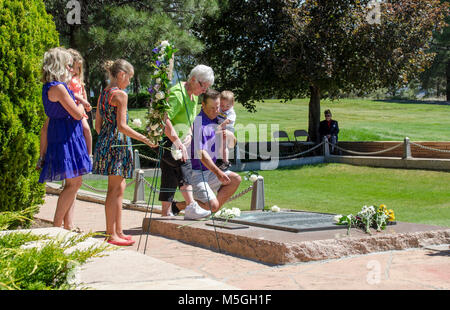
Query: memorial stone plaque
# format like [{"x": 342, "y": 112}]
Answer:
[{"x": 293, "y": 221}]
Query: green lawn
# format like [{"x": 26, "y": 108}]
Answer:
[
  {"x": 416, "y": 196},
  {"x": 359, "y": 119}
]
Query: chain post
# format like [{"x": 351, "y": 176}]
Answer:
[
  {"x": 257, "y": 202},
  {"x": 326, "y": 147},
  {"x": 137, "y": 160},
  {"x": 406, "y": 149},
  {"x": 139, "y": 194}
]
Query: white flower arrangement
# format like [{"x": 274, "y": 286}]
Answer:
[
  {"x": 228, "y": 213},
  {"x": 253, "y": 178},
  {"x": 177, "y": 154},
  {"x": 137, "y": 122},
  {"x": 275, "y": 209},
  {"x": 369, "y": 216},
  {"x": 159, "y": 90}
]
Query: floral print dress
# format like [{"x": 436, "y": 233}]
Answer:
[{"x": 113, "y": 153}]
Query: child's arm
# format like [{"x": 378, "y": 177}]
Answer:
[
  {"x": 224, "y": 124},
  {"x": 120, "y": 100},
  {"x": 84, "y": 102},
  {"x": 60, "y": 94}
]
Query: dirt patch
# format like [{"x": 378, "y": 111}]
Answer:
[{"x": 38, "y": 223}]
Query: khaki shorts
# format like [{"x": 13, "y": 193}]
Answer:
[{"x": 206, "y": 185}]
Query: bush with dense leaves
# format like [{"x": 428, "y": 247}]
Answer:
[{"x": 26, "y": 32}]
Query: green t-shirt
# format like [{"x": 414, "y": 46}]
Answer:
[{"x": 177, "y": 111}]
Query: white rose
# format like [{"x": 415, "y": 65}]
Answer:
[
  {"x": 158, "y": 81},
  {"x": 137, "y": 122},
  {"x": 337, "y": 218},
  {"x": 177, "y": 154},
  {"x": 160, "y": 95},
  {"x": 253, "y": 178},
  {"x": 164, "y": 43},
  {"x": 236, "y": 211},
  {"x": 275, "y": 209}
]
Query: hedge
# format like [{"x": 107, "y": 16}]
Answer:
[{"x": 26, "y": 32}]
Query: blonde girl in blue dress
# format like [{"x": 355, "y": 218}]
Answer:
[
  {"x": 66, "y": 157},
  {"x": 113, "y": 155}
]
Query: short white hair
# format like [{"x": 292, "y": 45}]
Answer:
[
  {"x": 202, "y": 73},
  {"x": 54, "y": 65}
]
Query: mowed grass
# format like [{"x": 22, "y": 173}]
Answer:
[
  {"x": 416, "y": 196},
  {"x": 359, "y": 119}
]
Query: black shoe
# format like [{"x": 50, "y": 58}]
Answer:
[{"x": 174, "y": 208}]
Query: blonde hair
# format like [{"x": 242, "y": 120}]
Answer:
[
  {"x": 228, "y": 95},
  {"x": 54, "y": 65},
  {"x": 76, "y": 56},
  {"x": 114, "y": 67}
]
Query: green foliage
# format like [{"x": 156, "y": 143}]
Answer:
[
  {"x": 287, "y": 48},
  {"x": 11, "y": 220},
  {"x": 30, "y": 262},
  {"x": 26, "y": 32},
  {"x": 436, "y": 79},
  {"x": 130, "y": 30}
]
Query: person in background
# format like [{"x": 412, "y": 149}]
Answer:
[{"x": 329, "y": 128}]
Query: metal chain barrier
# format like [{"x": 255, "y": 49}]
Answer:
[
  {"x": 242, "y": 193},
  {"x": 236, "y": 196},
  {"x": 105, "y": 190},
  {"x": 365, "y": 153},
  {"x": 429, "y": 148},
  {"x": 155, "y": 190},
  {"x": 287, "y": 156},
  {"x": 93, "y": 188},
  {"x": 149, "y": 158}
]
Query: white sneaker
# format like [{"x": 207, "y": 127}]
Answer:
[{"x": 193, "y": 211}]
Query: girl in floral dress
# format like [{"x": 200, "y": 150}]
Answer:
[{"x": 113, "y": 155}]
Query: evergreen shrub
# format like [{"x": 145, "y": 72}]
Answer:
[{"x": 26, "y": 32}]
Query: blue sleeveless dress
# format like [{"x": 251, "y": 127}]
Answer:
[{"x": 66, "y": 155}]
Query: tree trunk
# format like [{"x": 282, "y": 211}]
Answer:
[
  {"x": 314, "y": 114},
  {"x": 448, "y": 80}
]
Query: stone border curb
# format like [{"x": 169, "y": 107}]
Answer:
[{"x": 262, "y": 249}]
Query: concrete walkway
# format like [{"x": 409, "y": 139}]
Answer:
[{"x": 171, "y": 264}]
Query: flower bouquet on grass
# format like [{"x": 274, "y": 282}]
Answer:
[
  {"x": 162, "y": 64},
  {"x": 368, "y": 217}
]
